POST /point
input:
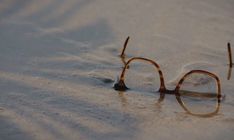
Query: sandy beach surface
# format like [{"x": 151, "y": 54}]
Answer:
[{"x": 59, "y": 60}]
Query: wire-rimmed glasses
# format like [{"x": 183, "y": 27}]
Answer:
[{"x": 198, "y": 91}]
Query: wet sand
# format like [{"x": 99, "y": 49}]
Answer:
[{"x": 59, "y": 61}]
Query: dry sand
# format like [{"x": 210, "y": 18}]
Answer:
[{"x": 59, "y": 59}]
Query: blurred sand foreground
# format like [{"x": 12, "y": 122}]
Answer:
[{"x": 59, "y": 59}]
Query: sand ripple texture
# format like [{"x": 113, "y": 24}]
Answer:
[{"x": 59, "y": 60}]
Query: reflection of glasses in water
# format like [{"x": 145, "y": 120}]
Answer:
[{"x": 198, "y": 91}]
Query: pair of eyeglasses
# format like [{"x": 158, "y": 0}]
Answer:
[{"x": 198, "y": 91}]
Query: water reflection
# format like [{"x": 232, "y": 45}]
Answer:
[
  {"x": 125, "y": 102},
  {"x": 158, "y": 106},
  {"x": 123, "y": 99},
  {"x": 229, "y": 73}
]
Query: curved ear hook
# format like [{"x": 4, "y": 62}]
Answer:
[
  {"x": 229, "y": 73},
  {"x": 229, "y": 54},
  {"x": 122, "y": 55},
  {"x": 230, "y": 60}
]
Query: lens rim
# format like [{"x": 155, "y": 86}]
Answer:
[
  {"x": 122, "y": 77},
  {"x": 178, "y": 95}
]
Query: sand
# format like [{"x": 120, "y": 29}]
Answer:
[{"x": 59, "y": 60}]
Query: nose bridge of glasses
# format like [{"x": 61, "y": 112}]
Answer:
[{"x": 168, "y": 91}]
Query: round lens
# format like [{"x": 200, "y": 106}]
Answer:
[
  {"x": 142, "y": 76},
  {"x": 199, "y": 93}
]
